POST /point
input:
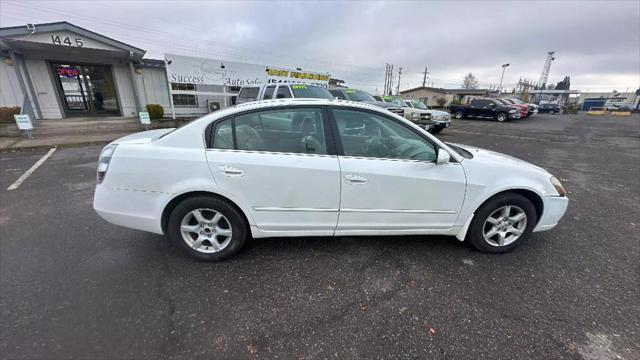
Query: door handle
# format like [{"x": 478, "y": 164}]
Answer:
[
  {"x": 231, "y": 171},
  {"x": 355, "y": 179}
]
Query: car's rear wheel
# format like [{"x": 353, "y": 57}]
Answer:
[
  {"x": 502, "y": 223},
  {"x": 502, "y": 117},
  {"x": 207, "y": 228},
  {"x": 459, "y": 114}
]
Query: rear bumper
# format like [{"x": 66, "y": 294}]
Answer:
[
  {"x": 553, "y": 208},
  {"x": 140, "y": 210}
]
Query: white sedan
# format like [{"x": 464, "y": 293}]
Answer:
[{"x": 313, "y": 167}]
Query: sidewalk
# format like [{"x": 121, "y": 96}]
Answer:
[{"x": 78, "y": 131}]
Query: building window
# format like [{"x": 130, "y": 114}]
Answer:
[{"x": 184, "y": 99}]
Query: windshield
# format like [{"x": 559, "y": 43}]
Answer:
[
  {"x": 358, "y": 95},
  {"x": 310, "y": 91},
  {"x": 419, "y": 104},
  {"x": 394, "y": 100}
]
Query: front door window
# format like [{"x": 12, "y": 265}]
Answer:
[{"x": 87, "y": 90}]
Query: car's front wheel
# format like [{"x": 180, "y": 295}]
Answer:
[
  {"x": 436, "y": 129},
  {"x": 458, "y": 114},
  {"x": 207, "y": 228},
  {"x": 502, "y": 117},
  {"x": 502, "y": 223}
]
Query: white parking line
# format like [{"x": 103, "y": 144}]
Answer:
[{"x": 26, "y": 174}]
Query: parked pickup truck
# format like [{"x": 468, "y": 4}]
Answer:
[
  {"x": 439, "y": 119},
  {"x": 485, "y": 108},
  {"x": 281, "y": 91}
]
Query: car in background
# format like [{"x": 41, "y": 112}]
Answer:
[
  {"x": 281, "y": 91},
  {"x": 533, "y": 108},
  {"x": 418, "y": 116},
  {"x": 485, "y": 108},
  {"x": 522, "y": 109},
  {"x": 440, "y": 119},
  {"x": 549, "y": 108},
  {"x": 365, "y": 97},
  {"x": 316, "y": 167}
]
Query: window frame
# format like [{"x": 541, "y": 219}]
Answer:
[
  {"x": 329, "y": 138},
  {"x": 340, "y": 148},
  {"x": 186, "y": 85}
]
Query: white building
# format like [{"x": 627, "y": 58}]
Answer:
[{"x": 60, "y": 70}]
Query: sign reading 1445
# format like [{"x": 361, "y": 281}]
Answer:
[{"x": 56, "y": 39}]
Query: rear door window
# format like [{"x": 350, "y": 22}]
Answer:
[
  {"x": 283, "y": 92},
  {"x": 249, "y": 93},
  {"x": 268, "y": 92},
  {"x": 282, "y": 131}
]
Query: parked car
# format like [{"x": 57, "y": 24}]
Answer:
[
  {"x": 418, "y": 116},
  {"x": 532, "y": 108},
  {"x": 362, "y": 96},
  {"x": 485, "y": 108},
  {"x": 522, "y": 109},
  {"x": 440, "y": 119},
  {"x": 281, "y": 91},
  {"x": 549, "y": 108},
  {"x": 317, "y": 167}
]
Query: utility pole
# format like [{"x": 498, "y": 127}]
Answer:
[
  {"x": 504, "y": 67},
  {"x": 424, "y": 78},
  {"x": 399, "y": 75},
  {"x": 545, "y": 70}
]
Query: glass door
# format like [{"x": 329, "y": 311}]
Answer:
[{"x": 87, "y": 90}]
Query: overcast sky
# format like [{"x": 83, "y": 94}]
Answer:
[{"x": 596, "y": 43}]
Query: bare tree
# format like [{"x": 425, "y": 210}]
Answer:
[
  {"x": 469, "y": 82},
  {"x": 441, "y": 101}
]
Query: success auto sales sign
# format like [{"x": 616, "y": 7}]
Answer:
[{"x": 191, "y": 70}]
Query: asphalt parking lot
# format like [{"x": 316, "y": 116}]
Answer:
[{"x": 74, "y": 286}]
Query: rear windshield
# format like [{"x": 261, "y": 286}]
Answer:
[
  {"x": 249, "y": 93},
  {"x": 310, "y": 91},
  {"x": 358, "y": 95}
]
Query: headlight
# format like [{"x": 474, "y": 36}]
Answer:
[
  {"x": 556, "y": 184},
  {"x": 415, "y": 116},
  {"x": 511, "y": 111},
  {"x": 103, "y": 162},
  {"x": 436, "y": 117}
]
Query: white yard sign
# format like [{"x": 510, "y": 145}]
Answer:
[
  {"x": 144, "y": 118},
  {"x": 23, "y": 122}
]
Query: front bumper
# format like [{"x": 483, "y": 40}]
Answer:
[{"x": 553, "y": 208}]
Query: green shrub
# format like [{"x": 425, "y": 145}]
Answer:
[
  {"x": 455, "y": 102},
  {"x": 155, "y": 111},
  {"x": 6, "y": 114}
]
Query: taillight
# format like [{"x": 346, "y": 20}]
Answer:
[{"x": 103, "y": 162}]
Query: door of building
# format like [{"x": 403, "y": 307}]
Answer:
[{"x": 86, "y": 89}]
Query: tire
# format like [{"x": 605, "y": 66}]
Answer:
[
  {"x": 216, "y": 246},
  {"x": 480, "y": 225},
  {"x": 502, "y": 117},
  {"x": 436, "y": 130},
  {"x": 458, "y": 114}
]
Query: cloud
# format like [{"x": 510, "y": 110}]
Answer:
[{"x": 596, "y": 43}]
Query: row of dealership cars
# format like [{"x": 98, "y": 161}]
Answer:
[{"x": 416, "y": 111}]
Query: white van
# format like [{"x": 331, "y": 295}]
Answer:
[{"x": 281, "y": 91}]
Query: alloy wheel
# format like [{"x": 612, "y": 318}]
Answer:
[
  {"x": 206, "y": 230},
  {"x": 504, "y": 226}
]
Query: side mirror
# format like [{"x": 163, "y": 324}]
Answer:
[{"x": 443, "y": 157}]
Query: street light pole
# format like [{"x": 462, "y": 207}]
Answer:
[{"x": 504, "y": 67}]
